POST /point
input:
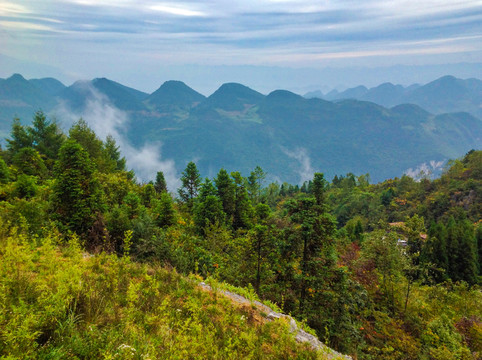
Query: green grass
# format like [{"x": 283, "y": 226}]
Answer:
[{"x": 59, "y": 303}]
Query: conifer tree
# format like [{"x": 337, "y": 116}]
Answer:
[
  {"x": 242, "y": 205},
  {"x": 255, "y": 184},
  {"x": 4, "y": 172},
  {"x": 112, "y": 154},
  {"x": 160, "y": 185},
  {"x": 191, "y": 180},
  {"x": 76, "y": 191},
  {"x": 87, "y": 138},
  {"x": 467, "y": 264},
  {"x": 20, "y": 138},
  {"x": 46, "y": 136},
  {"x": 208, "y": 209},
  {"x": 226, "y": 192},
  {"x": 165, "y": 210},
  {"x": 435, "y": 251}
]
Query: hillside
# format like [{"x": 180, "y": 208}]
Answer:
[
  {"x": 94, "y": 262},
  {"x": 287, "y": 135},
  {"x": 69, "y": 304},
  {"x": 444, "y": 95}
]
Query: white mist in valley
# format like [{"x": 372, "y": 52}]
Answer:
[
  {"x": 305, "y": 171},
  {"x": 106, "y": 119},
  {"x": 428, "y": 170}
]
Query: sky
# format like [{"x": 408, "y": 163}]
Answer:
[{"x": 299, "y": 45}]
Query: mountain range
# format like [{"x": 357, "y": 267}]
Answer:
[
  {"x": 447, "y": 94},
  {"x": 383, "y": 131}
]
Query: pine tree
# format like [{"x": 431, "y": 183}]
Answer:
[
  {"x": 20, "y": 138},
  {"x": 113, "y": 155},
  {"x": 86, "y": 137},
  {"x": 255, "y": 184},
  {"x": 208, "y": 209},
  {"x": 435, "y": 252},
  {"x": 76, "y": 191},
  {"x": 467, "y": 264},
  {"x": 46, "y": 136},
  {"x": 242, "y": 205},
  {"x": 191, "y": 181},
  {"x": 453, "y": 246},
  {"x": 160, "y": 185},
  {"x": 226, "y": 192},
  {"x": 165, "y": 210},
  {"x": 478, "y": 236},
  {"x": 4, "y": 172},
  {"x": 318, "y": 188}
]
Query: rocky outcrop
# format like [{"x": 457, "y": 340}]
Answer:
[{"x": 271, "y": 315}]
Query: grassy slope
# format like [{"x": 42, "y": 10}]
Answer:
[{"x": 58, "y": 303}]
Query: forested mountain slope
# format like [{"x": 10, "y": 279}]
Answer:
[
  {"x": 390, "y": 270},
  {"x": 447, "y": 94},
  {"x": 238, "y": 128}
]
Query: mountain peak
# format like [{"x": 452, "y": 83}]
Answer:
[
  {"x": 233, "y": 97},
  {"x": 16, "y": 77},
  {"x": 174, "y": 93},
  {"x": 284, "y": 95}
]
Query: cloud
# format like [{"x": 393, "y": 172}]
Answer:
[
  {"x": 305, "y": 171},
  {"x": 96, "y": 38},
  {"x": 175, "y": 10},
  {"x": 21, "y": 25},
  {"x": 428, "y": 170},
  {"x": 106, "y": 119}
]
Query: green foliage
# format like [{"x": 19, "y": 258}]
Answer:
[
  {"x": 160, "y": 185},
  {"x": 242, "y": 206},
  {"x": 112, "y": 153},
  {"x": 60, "y": 304},
  {"x": 375, "y": 284},
  {"x": 76, "y": 191},
  {"x": 25, "y": 186},
  {"x": 86, "y": 137},
  {"x": 47, "y": 137},
  {"x": 191, "y": 181},
  {"x": 226, "y": 192},
  {"x": 29, "y": 162},
  {"x": 4, "y": 172},
  {"x": 20, "y": 138}
]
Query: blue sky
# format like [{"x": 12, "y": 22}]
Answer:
[{"x": 266, "y": 44}]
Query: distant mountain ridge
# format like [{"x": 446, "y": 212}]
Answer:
[
  {"x": 288, "y": 135},
  {"x": 446, "y": 94}
]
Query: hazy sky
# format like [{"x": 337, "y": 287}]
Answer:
[{"x": 296, "y": 44}]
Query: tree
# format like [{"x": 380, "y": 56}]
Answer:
[
  {"x": 165, "y": 210},
  {"x": 318, "y": 188},
  {"x": 190, "y": 184},
  {"x": 47, "y": 138},
  {"x": 242, "y": 205},
  {"x": 467, "y": 264},
  {"x": 20, "y": 138},
  {"x": 112, "y": 154},
  {"x": 28, "y": 161},
  {"x": 478, "y": 236},
  {"x": 86, "y": 137},
  {"x": 76, "y": 191},
  {"x": 4, "y": 172},
  {"x": 226, "y": 192},
  {"x": 160, "y": 185},
  {"x": 435, "y": 252},
  {"x": 255, "y": 184},
  {"x": 208, "y": 209},
  {"x": 261, "y": 240}
]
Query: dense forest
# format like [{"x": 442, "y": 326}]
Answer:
[{"x": 95, "y": 264}]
